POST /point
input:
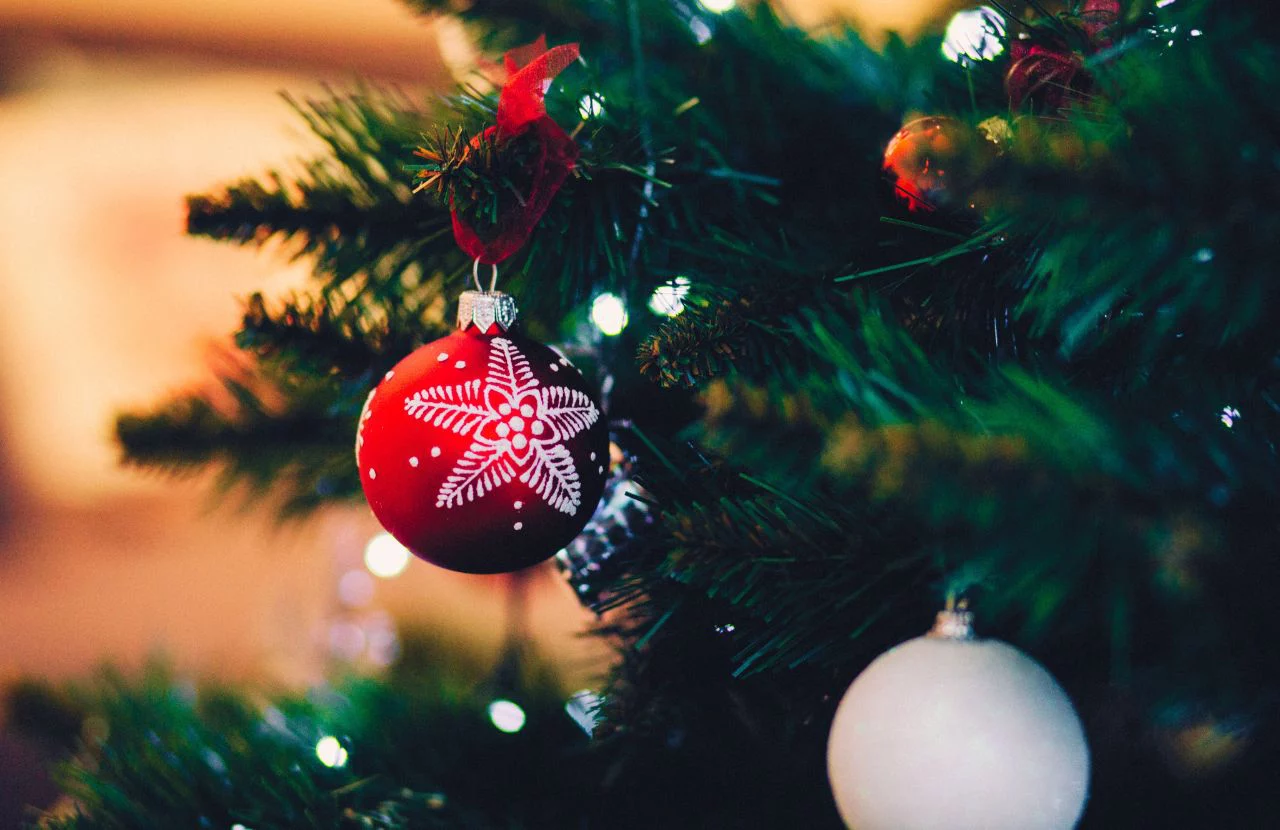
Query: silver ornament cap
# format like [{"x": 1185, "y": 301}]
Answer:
[
  {"x": 955, "y": 622},
  {"x": 483, "y": 309}
]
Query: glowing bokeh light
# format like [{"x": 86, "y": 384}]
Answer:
[
  {"x": 355, "y": 588},
  {"x": 974, "y": 35},
  {"x": 1229, "y": 416},
  {"x": 717, "y": 6},
  {"x": 668, "y": 300},
  {"x": 590, "y": 105},
  {"x": 609, "y": 314},
  {"x": 331, "y": 752},
  {"x": 506, "y": 716},
  {"x": 701, "y": 31},
  {"x": 347, "y": 640},
  {"x": 385, "y": 557}
]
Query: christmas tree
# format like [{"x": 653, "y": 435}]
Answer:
[{"x": 977, "y": 320}]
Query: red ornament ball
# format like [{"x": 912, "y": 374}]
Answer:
[
  {"x": 483, "y": 452},
  {"x": 936, "y": 163},
  {"x": 916, "y": 162}
]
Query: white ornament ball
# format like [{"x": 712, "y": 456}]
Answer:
[{"x": 947, "y": 732}]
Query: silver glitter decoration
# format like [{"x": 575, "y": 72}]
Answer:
[
  {"x": 953, "y": 624},
  {"x": 482, "y": 309},
  {"x": 603, "y": 548}
]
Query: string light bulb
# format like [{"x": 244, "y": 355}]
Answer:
[
  {"x": 331, "y": 752},
  {"x": 974, "y": 35},
  {"x": 718, "y": 6},
  {"x": 506, "y": 716},
  {"x": 609, "y": 314},
  {"x": 668, "y": 299},
  {"x": 385, "y": 557},
  {"x": 590, "y": 105}
]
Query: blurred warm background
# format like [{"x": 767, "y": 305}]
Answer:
[{"x": 109, "y": 114}]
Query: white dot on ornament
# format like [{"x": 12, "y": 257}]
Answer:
[
  {"x": 593, "y": 456},
  {"x": 517, "y": 423},
  {"x": 555, "y": 368},
  {"x": 435, "y": 452},
  {"x": 506, "y": 716},
  {"x": 717, "y": 6},
  {"x": 609, "y": 314},
  {"x": 503, "y": 430},
  {"x": 526, "y": 411},
  {"x": 461, "y": 364},
  {"x": 372, "y": 473},
  {"x": 537, "y": 428},
  {"x": 331, "y": 752},
  {"x": 518, "y": 525},
  {"x": 413, "y": 461},
  {"x": 518, "y": 505},
  {"x": 389, "y": 375},
  {"x": 384, "y": 556},
  {"x": 519, "y": 442},
  {"x": 504, "y": 409},
  {"x": 442, "y": 357}
]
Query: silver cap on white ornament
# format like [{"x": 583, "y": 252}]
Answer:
[{"x": 956, "y": 731}]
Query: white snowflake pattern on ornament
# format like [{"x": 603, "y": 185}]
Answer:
[{"x": 518, "y": 428}]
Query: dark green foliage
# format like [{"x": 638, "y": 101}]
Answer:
[
  {"x": 421, "y": 753},
  {"x": 295, "y": 439},
  {"x": 1062, "y": 403}
]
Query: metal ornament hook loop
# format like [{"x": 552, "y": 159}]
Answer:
[{"x": 475, "y": 275}]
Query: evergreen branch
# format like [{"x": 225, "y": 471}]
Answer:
[
  {"x": 418, "y": 751},
  {"x": 351, "y": 211},
  {"x": 599, "y": 27},
  {"x": 293, "y": 438},
  {"x": 707, "y": 342},
  {"x": 1124, "y": 255},
  {"x": 324, "y": 338}
]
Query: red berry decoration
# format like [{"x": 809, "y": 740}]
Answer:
[
  {"x": 483, "y": 452},
  {"x": 935, "y": 163}
]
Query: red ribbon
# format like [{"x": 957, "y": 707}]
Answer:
[
  {"x": 1098, "y": 16},
  {"x": 1050, "y": 72},
  {"x": 1047, "y": 74},
  {"x": 522, "y": 113}
]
